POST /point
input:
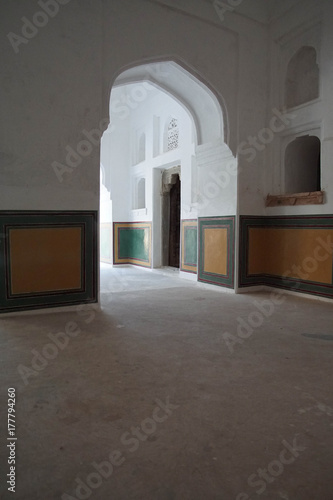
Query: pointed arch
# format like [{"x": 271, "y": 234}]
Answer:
[{"x": 184, "y": 84}]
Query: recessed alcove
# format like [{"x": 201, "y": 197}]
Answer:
[{"x": 302, "y": 79}]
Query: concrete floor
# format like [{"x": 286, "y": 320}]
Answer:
[{"x": 151, "y": 385}]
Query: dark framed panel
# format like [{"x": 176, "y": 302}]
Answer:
[
  {"x": 132, "y": 243},
  {"x": 217, "y": 250},
  {"x": 47, "y": 259},
  {"x": 189, "y": 246},
  {"x": 294, "y": 253}
]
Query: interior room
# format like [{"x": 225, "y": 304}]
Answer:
[{"x": 166, "y": 249}]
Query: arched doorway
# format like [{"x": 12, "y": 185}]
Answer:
[{"x": 162, "y": 118}]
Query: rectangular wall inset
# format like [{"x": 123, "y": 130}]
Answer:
[
  {"x": 288, "y": 252},
  {"x": 132, "y": 243},
  {"x": 44, "y": 259},
  {"x": 189, "y": 246},
  {"x": 47, "y": 259},
  {"x": 216, "y": 250}
]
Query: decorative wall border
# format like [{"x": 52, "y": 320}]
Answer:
[
  {"x": 118, "y": 227},
  {"x": 228, "y": 223},
  {"x": 285, "y": 282},
  {"x": 21, "y": 220},
  {"x": 186, "y": 265}
]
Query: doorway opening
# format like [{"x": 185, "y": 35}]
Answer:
[
  {"x": 171, "y": 216},
  {"x": 174, "y": 229}
]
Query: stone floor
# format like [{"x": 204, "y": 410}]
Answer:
[{"x": 171, "y": 392}]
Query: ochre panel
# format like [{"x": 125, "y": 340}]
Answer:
[
  {"x": 216, "y": 250},
  {"x": 45, "y": 259},
  {"x": 298, "y": 253},
  {"x": 258, "y": 250}
]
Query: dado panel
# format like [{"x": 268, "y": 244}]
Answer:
[
  {"x": 132, "y": 243},
  {"x": 47, "y": 259},
  {"x": 216, "y": 250},
  {"x": 189, "y": 248},
  {"x": 288, "y": 252}
]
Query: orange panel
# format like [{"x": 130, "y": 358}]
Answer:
[
  {"x": 295, "y": 252},
  {"x": 216, "y": 251},
  {"x": 45, "y": 259}
]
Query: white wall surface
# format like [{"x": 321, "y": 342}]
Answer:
[
  {"x": 50, "y": 94},
  {"x": 310, "y": 25},
  {"x": 145, "y": 109},
  {"x": 57, "y": 87}
]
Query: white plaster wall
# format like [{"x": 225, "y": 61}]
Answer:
[
  {"x": 207, "y": 48},
  {"x": 105, "y": 205},
  {"x": 252, "y": 94},
  {"x": 50, "y": 94},
  {"x": 311, "y": 25},
  {"x": 208, "y": 171},
  {"x": 59, "y": 84},
  {"x": 141, "y": 105},
  {"x": 116, "y": 155},
  {"x": 216, "y": 181}
]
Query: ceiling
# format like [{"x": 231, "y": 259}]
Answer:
[{"x": 263, "y": 11}]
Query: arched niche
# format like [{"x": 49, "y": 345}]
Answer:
[
  {"x": 302, "y": 78},
  {"x": 302, "y": 165}
]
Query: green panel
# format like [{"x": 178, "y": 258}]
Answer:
[
  {"x": 133, "y": 243},
  {"x": 294, "y": 284},
  {"x": 191, "y": 248},
  {"x": 105, "y": 242},
  {"x": 21, "y": 219},
  {"x": 215, "y": 279}
]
